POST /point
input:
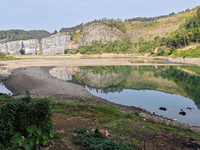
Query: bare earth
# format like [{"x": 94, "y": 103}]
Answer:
[
  {"x": 95, "y": 60},
  {"x": 30, "y": 76}
]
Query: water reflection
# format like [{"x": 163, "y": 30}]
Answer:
[
  {"x": 4, "y": 74},
  {"x": 64, "y": 73},
  {"x": 152, "y": 61},
  {"x": 172, "y": 92}
]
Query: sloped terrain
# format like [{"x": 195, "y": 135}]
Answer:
[{"x": 98, "y": 32}]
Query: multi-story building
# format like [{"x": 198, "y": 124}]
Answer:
[
  {"x": 31, "y": 46},
  {"x": 55, "y": 44},
  {"x": 13, "y": 47}
]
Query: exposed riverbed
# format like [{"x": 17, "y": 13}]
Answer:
[{"x": 41, "y": 84}]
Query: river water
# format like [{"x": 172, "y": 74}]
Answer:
[
  {"x": 4, "y": 73},
  {"x": 169, "y": 91}
]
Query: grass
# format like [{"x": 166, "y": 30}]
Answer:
[
  {"x": 106, "y": 113},
  {"x": 195, "y": 53},
  {"x": 5, "y": 98},
  {"x": 126, "y": 128},
  {"x": 4, "y": 58}
]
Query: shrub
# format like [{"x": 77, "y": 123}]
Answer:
[
  {"x": 22, "y": 52},
  {"x": 95, "y": 140},
  {"x": 99, "y": 143},
  {"x": 161, "y": 51},
  {"x": 18, "y": 115},
  {"x": 66, "y": 51},
  {"x": 172, "y": 50}
]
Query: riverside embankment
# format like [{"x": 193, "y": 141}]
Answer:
[{"x": 41, "y": 84}]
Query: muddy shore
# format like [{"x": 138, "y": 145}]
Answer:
[{"x": 41, "y": 84}]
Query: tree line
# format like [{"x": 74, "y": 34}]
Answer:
[
  {"x": 13, "y": 35},
  {"x": 149, "y": 19},
  {"x": 117, "y": 23}
]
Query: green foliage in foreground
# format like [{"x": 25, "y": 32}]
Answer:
[
  {"x": 25, "y": 123},
  {"x": 35, "y": 138},
  {"x": 95, "y": 140}
]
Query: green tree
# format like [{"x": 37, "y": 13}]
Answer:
[
  {"x": 198, "y": 12},
  {"x": 55, "y": 32}
]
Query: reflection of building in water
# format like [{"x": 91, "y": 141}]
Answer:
[
  {"x": 73, "y": 70},
  {"x": 61, "y": 73},
  {"x": 4, "y": 73},
  {"x": 64, "y": 73}
]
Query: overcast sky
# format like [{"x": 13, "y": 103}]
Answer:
[{"x": 52, "y": 15}]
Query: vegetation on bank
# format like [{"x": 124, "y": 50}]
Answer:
[
  {"x": 98, "y": 47},
  {"x": 194, "y": 53},
  {"x": 25, "y": 124},
  {"x": 3, "y": 57},
  {"x": 128, "y": 129}
]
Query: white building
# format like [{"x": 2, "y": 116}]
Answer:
[
  {"x": 55, "y": 44},
  {"x": 61, "y": 73},
  {"x": 31, "y": 46},
  {"x": 11, "y": 47}
]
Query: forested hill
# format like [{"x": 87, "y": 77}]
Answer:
[{"x": 13, "y": 35}]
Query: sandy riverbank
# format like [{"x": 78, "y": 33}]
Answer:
[{"x": 60, "y": 61}]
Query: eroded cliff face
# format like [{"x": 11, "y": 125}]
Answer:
[{"x": 98, "y": 32}]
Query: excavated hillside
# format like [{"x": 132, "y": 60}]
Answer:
[
  {"x": 98, "y": 32},
  {"x": 148, "y": 30}
]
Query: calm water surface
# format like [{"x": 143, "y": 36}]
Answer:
[
  {"x": 150, "y": 87},
  {"x": 4, "y": 73}
]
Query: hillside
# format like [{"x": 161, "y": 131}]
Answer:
[
  {"x": 161, "y": 27},
  {"x": 98, "y": 32},
  {"x": 133, "y": 28},
  {"x": 13, "y": 35},
  {"x": 157, "y": 36}
]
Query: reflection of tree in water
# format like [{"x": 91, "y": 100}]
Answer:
[{"x": 189, "y": 83}]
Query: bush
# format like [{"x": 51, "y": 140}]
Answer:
[
  {"x": 99, "y": 143},
  {"x": 161, "y": 51},
  {"x": 172, "y": 50},
  {"x": 22, "y": 52},
  {"x": 66, "y": 51},
  {"x": 17, "y": 116},
  {"x": 95, "y": 140}
]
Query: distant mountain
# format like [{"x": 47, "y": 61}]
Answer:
[{"x": 13, "y": 35}]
